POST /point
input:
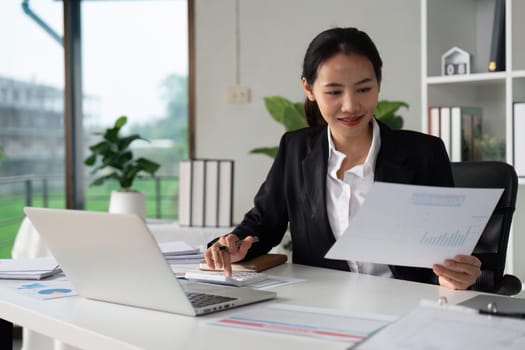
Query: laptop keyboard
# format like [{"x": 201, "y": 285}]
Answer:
[{"x": 203, "y": 299}]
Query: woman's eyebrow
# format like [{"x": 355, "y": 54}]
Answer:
[
  {"x": 362, "y": 81},
  {"x": 332, "y": 85}
]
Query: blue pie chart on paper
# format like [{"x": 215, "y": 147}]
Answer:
[
  {"x": 32, "y": 286},
  {"x": 55, "y": 291}
]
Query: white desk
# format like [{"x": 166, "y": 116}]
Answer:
[{"x": 98, "y": 325}]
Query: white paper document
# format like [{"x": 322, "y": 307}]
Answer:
[
  {"x": 326, "y": 324},
  {"x": 416, "y": 225},
  {"x": 35, "y": 268},
  {"x": 174, "y": 248},
  {"x": 448, "y": 329}
]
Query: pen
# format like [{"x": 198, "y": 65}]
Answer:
[
  {"x": 224, "y": 248},
  {"x": 492, "y": 310},
  {"x": 502, "y": 314}
]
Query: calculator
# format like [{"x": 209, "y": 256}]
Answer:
[{"x": 238, "y": 279}]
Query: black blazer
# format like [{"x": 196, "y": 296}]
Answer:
[{"x": 294, "y": 192}]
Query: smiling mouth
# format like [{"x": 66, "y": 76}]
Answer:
[{"x": 351, "y": 120}]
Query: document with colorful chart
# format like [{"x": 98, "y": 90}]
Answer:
[
  {"x": 44, "y": 290},
  {"x": 412, "y": 225},
  {"x": 312, "y": 322}
]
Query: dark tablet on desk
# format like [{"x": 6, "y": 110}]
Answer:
[{"x": 504, "y": 304}]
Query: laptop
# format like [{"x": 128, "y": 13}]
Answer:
[{"x": 114, "y": 258}]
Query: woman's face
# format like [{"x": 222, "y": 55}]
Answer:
[{"x": 346, "y": 91}]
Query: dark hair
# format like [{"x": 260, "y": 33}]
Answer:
[{"x": 327, "y": 44}]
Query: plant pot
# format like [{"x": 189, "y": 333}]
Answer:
[{"x": 128, "y": 202}]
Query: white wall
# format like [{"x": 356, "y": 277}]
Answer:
[{"x": 274, "y": 35}]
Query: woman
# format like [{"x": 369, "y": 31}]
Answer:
[{"x": 322, "y": 174}]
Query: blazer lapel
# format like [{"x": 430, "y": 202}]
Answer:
[
  {"x": 314, "y": 180},
  {"x": 391, "y": 163}
]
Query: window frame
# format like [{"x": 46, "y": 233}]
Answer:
[{"x": 73, "y": 114}]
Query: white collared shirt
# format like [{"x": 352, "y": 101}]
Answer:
[{"x": 345, "y": 197}]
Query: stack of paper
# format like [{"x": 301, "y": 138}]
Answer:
[
  {"x": 179, "y": 252},
  {"x": 448, "y": 328},
  {"x": 28, "y": 269}
]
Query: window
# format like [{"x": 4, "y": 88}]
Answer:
[
  {"x": 31, "y": 133},
  {"x": 135, "y": 63}
]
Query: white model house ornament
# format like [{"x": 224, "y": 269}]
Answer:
[{"x": 455, "y": 61}]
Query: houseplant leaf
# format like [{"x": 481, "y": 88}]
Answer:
[
  {"x": 148, "y": 165},
  {"x": 121, "y": 121},
  {"x": 293, "y": 119},
  {"x": 114, "y": 154},
  {"x": 269, "y": 151},
  {"x": 124, "y": 142},
  {"x": 385, "y": 111},
  {"x": 276, "y": 106}
]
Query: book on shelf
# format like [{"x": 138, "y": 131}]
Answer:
[
  {"x": 257, "y": 264},
  {"x": 206, "y": 192},
  {"x": 444, "y": 127},
  {"x": 185, "y": 193},
  {"x": 460, "y": 130},
  {"x": 465, "y": 133},
  {"x": 211, "y": 193},
  {"x": 497, "y": 45},
  {"x": 225, "y": 209},
  {"x": 434, "y": 121},
  {"x": 519, "y": 138},
  {"x": 198, "y": 183}
]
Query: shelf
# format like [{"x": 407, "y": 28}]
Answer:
[
  {"x": 468, "y": 25},
  {"x": 476, "y": 78},
  {"x": 518, "y": 74}
]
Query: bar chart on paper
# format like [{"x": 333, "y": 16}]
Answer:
[
  {"x": 455, "y": 239},
  {"x": 420, "y": 225}
]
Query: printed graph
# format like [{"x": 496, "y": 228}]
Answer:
[{"x": 447, "y": 239}]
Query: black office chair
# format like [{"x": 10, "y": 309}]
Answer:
[{"x": 491, "y": 248}]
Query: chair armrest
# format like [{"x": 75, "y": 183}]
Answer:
[{"x": 509, "y": 285}]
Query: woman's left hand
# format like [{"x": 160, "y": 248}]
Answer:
[{"x": 460, "y": 272}]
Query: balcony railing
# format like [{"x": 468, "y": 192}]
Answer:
[{"x": 16, "y": 192}]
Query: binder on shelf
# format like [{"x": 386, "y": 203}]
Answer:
[
  {"x": 225, "y": 193},
  {"x": 444, "y": 128},
  {"x": 434, "y": 122},
  {"x": 205, "y": 192},
  {"x": 465, "y": 133},
  {"x": 519, "y": 138},
  {"x": 497, "y": 45},
  {"x": 185, "y": 193},
  {"x": 198, "y": 183},
  {"x": 211, "y": 193}
]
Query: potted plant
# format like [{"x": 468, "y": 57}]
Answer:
[
  {"x": 114, "y": 158},
  {"x": 291, "y": 116}
]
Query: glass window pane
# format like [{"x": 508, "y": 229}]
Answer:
[
  {"x": 31, "y": 112},
  {"x": 135, "y": 63}
]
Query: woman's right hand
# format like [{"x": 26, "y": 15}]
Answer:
[{"x": 227, "y": 249}]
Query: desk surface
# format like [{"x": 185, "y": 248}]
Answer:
[{"x": 99, "y": 325}]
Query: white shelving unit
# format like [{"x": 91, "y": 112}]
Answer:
[{"x": 467, "y": 24}]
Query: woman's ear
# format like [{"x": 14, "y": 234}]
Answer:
[{"x": 308, "y": 90}]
